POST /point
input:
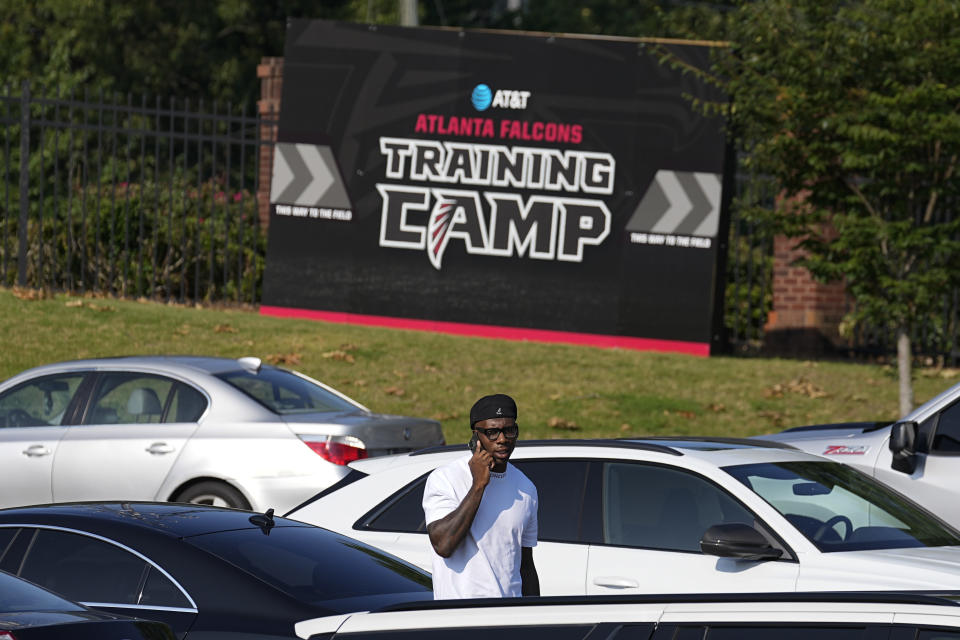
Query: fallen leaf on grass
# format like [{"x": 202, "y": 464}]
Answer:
[
  {"x": 556, "y": 396},
  {"x": 182, "y": 330},
  {"x": 430, "y": 368},
  {"x": 799, "y": 386},
  {"x": 399, "y": 374},
  {"x": 359, "y": 383},
  {"x": 716, "y": 407},
  {"x": 339, "y": 354},
  {"x": 942, "y": 372},
  {"x": 625, "y": 427},
  {"x": 99, "y": 307},
  {"x": 74, "y": 303},
  {"x": 682, "y": 414},
  {"x": 292, "y": 358},
  {"x": 22, "y": 293},
  {"x": 561, "y": 424},
  {"x": 224, "y": 328},
  {"x": 394, "y": 391}
]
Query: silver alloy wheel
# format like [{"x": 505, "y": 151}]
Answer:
[{"x": 210, "y": 499}]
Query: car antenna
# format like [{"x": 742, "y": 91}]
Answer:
[{"x": 264, "y": 521}]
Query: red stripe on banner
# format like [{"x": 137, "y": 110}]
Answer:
[{"x": 490, "y": 331}]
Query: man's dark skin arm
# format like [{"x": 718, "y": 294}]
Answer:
[
  {"x": 448, "y": 532},
  {"x": 528, "y": 573}
]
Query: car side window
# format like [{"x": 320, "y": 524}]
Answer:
[
  {"x": 129, "y": 398},
  {"x": 403, "y": 511},
  {"x": 656, "y": 507},
  {"x": 87, "y": 569},
  {"x": 532, "y": 632},
  {"x": 187, "y": 404},
  {"x": 561, "y": 487},
  {"x": 785, "y": 632},
  {"x": 39, "y": 403},
  {"x": 946, "y": 437},
  {"x": 933, "y": 634}
]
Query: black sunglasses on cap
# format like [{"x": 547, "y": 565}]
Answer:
[{"x": 511, "y": 432}]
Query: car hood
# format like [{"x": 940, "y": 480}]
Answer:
[
  {"x": 379, "y": 432},
  {"x": 919, "y": 569}
]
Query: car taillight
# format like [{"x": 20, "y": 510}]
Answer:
[
  {"x": 7, "y": 635},
  {"x": 336, "y": 451}
]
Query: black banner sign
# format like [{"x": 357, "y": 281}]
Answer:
[{"x": 516, "y": 185}]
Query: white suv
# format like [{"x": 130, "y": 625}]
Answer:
[
  {"x": 918, "y": 455},
  {"x": 836, "y": 616},
  {"x": 674, "y": 516}
]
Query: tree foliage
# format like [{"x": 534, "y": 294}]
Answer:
[
  {"x": 204, "y": 49},
  {"x": 853, "y": 106}
]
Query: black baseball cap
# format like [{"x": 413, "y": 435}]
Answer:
[{"x": 498, "y": 405}]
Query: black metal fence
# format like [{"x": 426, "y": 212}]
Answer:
[{"x": 152, "y": 199}]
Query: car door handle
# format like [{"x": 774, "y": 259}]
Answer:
[
  {"x": 36, "y": 451},
  {"x": 160, "y": 448},
  {"x": 615, "y": 582}
]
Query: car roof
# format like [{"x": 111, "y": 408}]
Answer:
[
  {"x": 205, "y": 364},
  {"x": 161, "y": 519},
  {"x": 947, "y": 599},
  {"x": 712, "y": 451}
]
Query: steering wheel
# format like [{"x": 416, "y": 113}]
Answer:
[
  {"x": 831, "y": 523},
  {"x": 20, "y": 418}
]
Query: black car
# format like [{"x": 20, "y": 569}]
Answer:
[
  {"x": 208, "y": 572},
  {"x": 28, "y": 612}
]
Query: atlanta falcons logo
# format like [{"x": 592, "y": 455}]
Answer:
[{"x": 438, "y": 229}]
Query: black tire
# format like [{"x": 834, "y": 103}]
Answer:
[{"x": 214, "y": 493}]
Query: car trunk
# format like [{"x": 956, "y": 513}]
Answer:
[{"x": 381, "y": 434}]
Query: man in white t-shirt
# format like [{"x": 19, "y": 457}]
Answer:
[{"x": 481, "y": 513}]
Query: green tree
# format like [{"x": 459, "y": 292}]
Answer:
[
  {"x": 206, "y": 49},
  {"x": 852, "y": 106}
]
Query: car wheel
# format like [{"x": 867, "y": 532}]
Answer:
[{"x": 218, "y": 494}]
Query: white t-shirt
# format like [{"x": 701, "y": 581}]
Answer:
[{"x": 486, "y": 564}]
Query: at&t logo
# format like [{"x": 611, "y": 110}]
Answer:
[{"x": 483, "y": 98}]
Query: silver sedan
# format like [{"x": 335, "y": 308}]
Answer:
[{"x": 215, "y": 431}]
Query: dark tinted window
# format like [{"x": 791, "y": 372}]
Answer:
[
  {"x": 84, "y": 569},
  {"x": 403, "y": 511},
  {"x": 636, "y": 631},
  {"x": 555, "y": 632},
  {"x": 314, "y": 565},
  {"x": 662, "y": 508},
  {"x": 187, "y": 405},
  {"x": 561, "y": 485},
  {"x": 19, "y": 595},
  {"x": 785, "y": 632},
  {"x": 931, "y": 634},
  {"x": 946, "y": 439},
  {"x": 159, "y": 591},
  {"x": 6, "y": 537},
  {"x": 39, "y": 403}
]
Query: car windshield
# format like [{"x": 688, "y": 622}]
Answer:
[
  {"x": 284, "y": 392},
  {"x": 18, "y": 595},
  {"x": 316, "y": 566},
  {"x": 841, "y": 509}
]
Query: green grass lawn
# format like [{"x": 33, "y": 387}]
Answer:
[{"x": 562, "y": 391}]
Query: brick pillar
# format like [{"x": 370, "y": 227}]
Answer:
[
  {"x": 270, "y": 72},
  {"x": 806, "y": 314}
]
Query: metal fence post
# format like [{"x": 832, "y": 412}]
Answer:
[{"x": 24, "y": 184}]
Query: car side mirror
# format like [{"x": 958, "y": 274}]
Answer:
[
  {"x": 737, "y": 540},
  {"x": 903, "y": 437}
]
